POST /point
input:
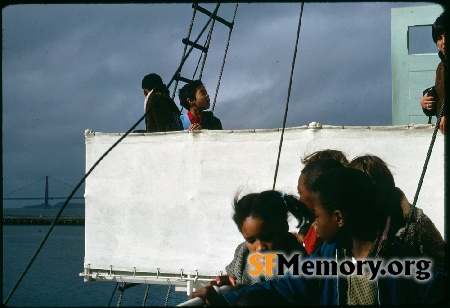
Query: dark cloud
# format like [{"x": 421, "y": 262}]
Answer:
[{"x": 67, "y": 68}]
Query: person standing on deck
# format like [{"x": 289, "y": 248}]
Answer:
[
  {"x": 164, "y": 113},
  {"x": 431, "y": 102},
  {"x": 195, "y": 99}
]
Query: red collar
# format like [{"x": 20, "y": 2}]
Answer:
[{"x": 195, "y": 119}]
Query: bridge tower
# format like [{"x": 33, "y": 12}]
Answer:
[{"x": 46, "y": 206}]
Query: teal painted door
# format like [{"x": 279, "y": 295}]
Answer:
[{"x": 414, "y": 61}]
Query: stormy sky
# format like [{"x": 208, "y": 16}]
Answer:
[{"x": 71, "y": 67}]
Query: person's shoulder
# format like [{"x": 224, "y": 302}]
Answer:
[
  {"x": 241, "y": 249},
  {"x": 398, "y": 249},
  {"x": 327, "y": 250},
  {"x": 208, "y": 114},
  {"x": 210, "y": 121}
]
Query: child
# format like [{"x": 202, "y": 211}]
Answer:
[
  {"x": 313, "y": 169},
  {"x": 261, "y": 218},
  {"x": 422, "y": 235},
  {"x": 195, "y": 99},
  {"x": 162, "y": 112},
  {"x": 349, "y": 222}
]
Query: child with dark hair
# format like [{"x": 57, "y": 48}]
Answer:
[
  {"x": 351, "y": 224},
  {"x": 162, "y": 112},
  {"x": 422, "y": 235},
  {"x": 328, "y": 153},
  {"x": 262, "y": 219},
  {"x": 195, "y": 99},
  {"x": 312, "y": 170}
]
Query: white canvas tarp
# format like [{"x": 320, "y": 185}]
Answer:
[{"x": 161, "y": 202}]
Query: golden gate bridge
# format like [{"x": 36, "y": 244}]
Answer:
[{"x": 38, "y": 195}]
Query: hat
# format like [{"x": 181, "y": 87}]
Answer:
[{"x": 151, "y": 80}]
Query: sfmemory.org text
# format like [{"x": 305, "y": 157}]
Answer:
[{"x": 266, "y": 263}]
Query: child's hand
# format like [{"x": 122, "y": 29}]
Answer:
[
  {"x": 210, "y": 296},
  {"x": 195, "y": 126},
  {"x": 223, "y": 280}
]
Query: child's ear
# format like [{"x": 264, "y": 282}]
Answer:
[
  {"x": 339, "y": 218},
  {"x": 190, "y": 101}
]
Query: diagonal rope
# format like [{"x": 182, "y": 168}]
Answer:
[
  {"x": 112, "y": 295},
  {"x": 224, "y": 58},
  {"x": 92, "y": 169},
  {"x": 168, "y": 293},
  {"x": 206, "y": 46},
  {"x": 424, "y": 169},
  {"x": 289, "y": 95},
  {"x": 185, "y": 46},
  {"x": 145, "y": 295}
]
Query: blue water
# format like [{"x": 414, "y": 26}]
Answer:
[{"x": 53, "y": 279}]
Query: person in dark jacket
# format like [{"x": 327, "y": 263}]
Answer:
[
  {"x": 162, "y": 112},
  {"x": 422, "y": 234},
  {"x": 351, "y": 224},
  {"x": 195, "y": 99},
  {"x": 431, "y": 102}
]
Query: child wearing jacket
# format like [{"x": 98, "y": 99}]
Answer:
[{"x": 354, "y": 230}]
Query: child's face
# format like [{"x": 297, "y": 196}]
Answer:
[
  {"x": 259, "y": 236},
  {"x": 201, "y": 98},
  {"x": 441, "y": 44},
  {"x": 327, "y": 225}
]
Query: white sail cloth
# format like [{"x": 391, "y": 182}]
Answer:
[{"x": 161, "y": 202}]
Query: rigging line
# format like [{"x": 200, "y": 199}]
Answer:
[
  {"x": 122, "y": 290},
  {"x": 112, "y": 295},
  {"x": 424, "y": 169},
  {"x": 207, "y": 43},
  {"x": 289, "y": 94},
  {"x": 195, "y": 42},
  {"x": 145, "y": 295},
  {"x": 92, "y": 168},
  {"x": 206, "y": 46},
  {"x": 185, "y": 46},
  {"x": 224, "y": 57},
  {"x": 24, "y": 187},
  {"x": 168, "y": 293}
]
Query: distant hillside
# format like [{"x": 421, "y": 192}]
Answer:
[{"x": 56, "y": 206}]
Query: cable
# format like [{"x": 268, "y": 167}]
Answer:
[{"x": 289, "y": 95}]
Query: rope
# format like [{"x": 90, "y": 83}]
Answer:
[
  {"x": 121, "y": 294},
  {"x": 185, "y": 47},
  {"x": 168, "y": 293},
  {"x": 92, "y": 169},
  {"x": 208, "y": 41},
  {"x": 112, "y": 295},
  {"x": 424, "y": 169},
  {"x": 145, "y": 295},
  {"x": 289, "y": 94},
  {"x": 224, "y": 57}
]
